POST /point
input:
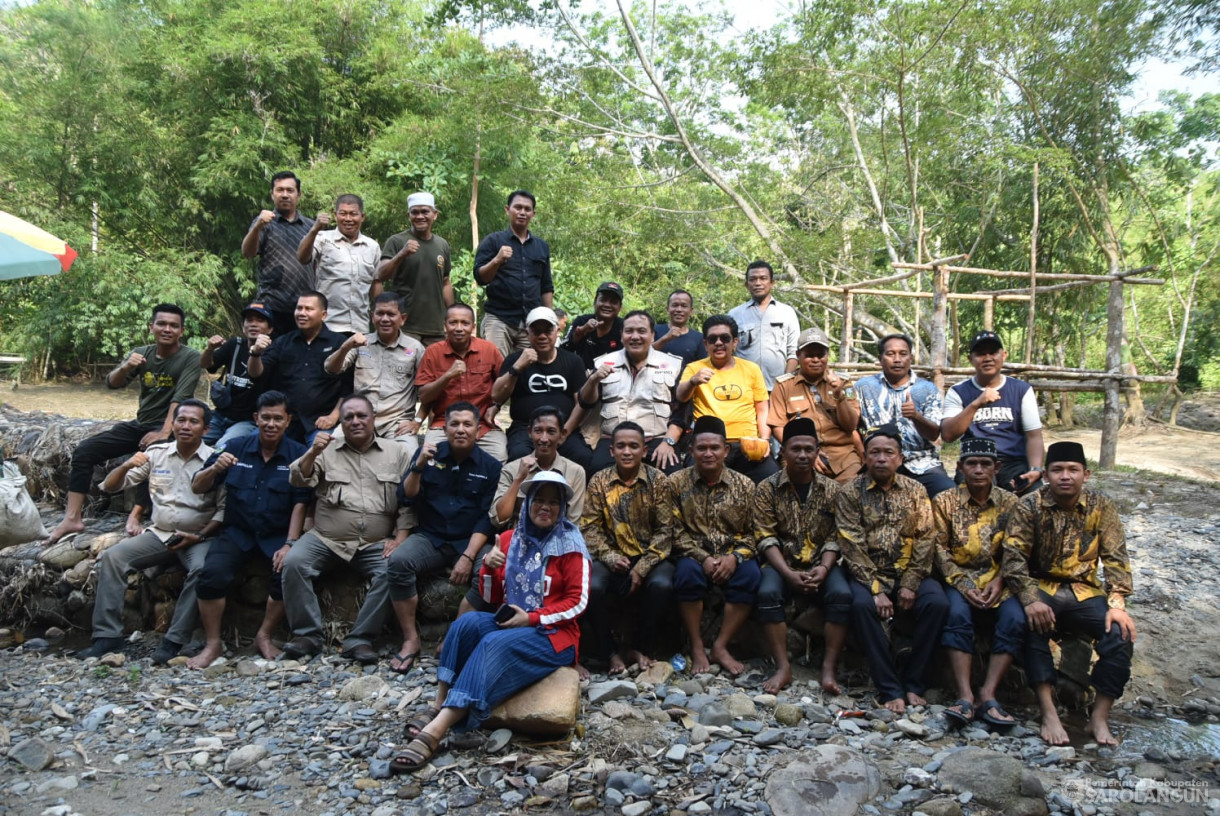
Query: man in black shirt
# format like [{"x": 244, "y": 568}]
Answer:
[
  {"x": 515, "y": 266},
  {"x": 274, "y": 237},
  {"x": 235, "y": 395},
  {"x": 295, "y": 364},
  {"x": 542, "y": 374},
  {"x": 593, "y": 335}
]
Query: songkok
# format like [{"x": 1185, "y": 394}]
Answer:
[
  {"x": 1065, "y": 452},
  {"x": 801, "y": 426},
  {"x": 979, "y": 446},
  {"x": 889, "y": 429},
  {"x": 709, "y": 424}
]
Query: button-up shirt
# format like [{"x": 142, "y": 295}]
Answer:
[
  {"x": 970, "y": 536},
  {"x": 881, "y": 402},
  {"x": 521, "y": 281},
  {"x": 794, "y": 396},
  {"x": 346, "y": 268},
  {"x": 645, "y": 396},
  {"x": 454, "y": 497},
  {"x": 803, "y": 530},
  {"x": 483, "y": 361},
  {"x": 886, "y": 536},
  {"x": 626, "y": 520},
  {"x": 260, "y": 498},
  {"x": 296, "y": 366},
  {"x": 571, "y": 472},
  {"x": 1047, "y": 546},
  {"x": 708, "y": 521},
  {"x": 281, "y": 277},
  {"x": 174, "y": 505},
  {"x": 767, "y": 337},
  {"x": 385, "y": 373},
  {"x": 357, "y": 494}
]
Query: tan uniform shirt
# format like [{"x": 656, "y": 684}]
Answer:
[
  {"x": 886, "y": 536},
  {"x": 794, "y": 396},
  {"x": 386, "y": 375},
  {"x": 345, "y": 272},
  {"x": 970, "y": 536},
  {"x": 174, "y": 505},
  {"x": 709, "y": 520},
  {"x": 626, "y": 520},
  {"x": 572, "y": 473},
  {"x": 803, "y": 530},
  {"x": 357, "y": 494},
  {"x": 645, "y": 397}
]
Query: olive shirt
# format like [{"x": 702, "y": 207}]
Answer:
[
  {"x": 802, "y": 529},
  {"x": 385, "y": 373},
  {"x": 886, "y": 536},
  {"x": 1046, "y": 546},
  {"x": 970, "y": 536},
  {"x": 420, "y": 281},
  {"x": 626, "y": 520},
  {"x": 707, "y": 521},
  {"x": 794, "y": 396},
  {"x": 163, "y": 381},
  {"x": 174, "y": 505},
  {"x": 357, "y": 494}
]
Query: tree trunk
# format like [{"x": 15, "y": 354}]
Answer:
[{"x": 1112, "y": 413}]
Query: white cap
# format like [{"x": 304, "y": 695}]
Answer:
[
  {"x": 548, "y": 477},
  {"x": 541, "y": 313},
  {"x": 421, "y": 200}
]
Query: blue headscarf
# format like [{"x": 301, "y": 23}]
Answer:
[{"x": 531, "y": 546}]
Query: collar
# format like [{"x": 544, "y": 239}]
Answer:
[
  {"x": 399, "y": 342},
  {"x": 872, "y": 484},
  {"x": 376, "y": 443},
  {"x": 963, "y": 493},
  {"x": 1047, "y": 500},
  {"x": 975, "y": 381},
  {"x": 785, "y": 479},
  {"x": 360, "y": 238},
  {"x": 645, "y": 475},
  {"x": 297, "y": 220},
  {"x": 700, "y": 480},
  {"x": 198, "y": 454},
  {"x": 912, "y": 378}
]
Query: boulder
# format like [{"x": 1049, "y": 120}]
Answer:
[
  {"x": 828, "y": 780},
  {"x": 994, "y": 779},
  {"x": 364, "y": 687},
  {"x": 547, "y": 708},
  {"x": 63, "y": 555}
]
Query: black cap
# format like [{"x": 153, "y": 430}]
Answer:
[
  {"x": 611, "y": 287},
  {"x": 1065, "y": 452},
  {"x": 979, "y": 446},
  {"x": 985, "y": 336},
  {"x": 709, "y": 424},
  {"x": 889, "y": 429},
  {"x": 801, "y": 426}
]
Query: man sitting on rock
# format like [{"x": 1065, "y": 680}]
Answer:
[
  {"x": 449, "y": 487},
  {"x": 264, "y": 516},
  {"x": 1056, "y": 539},
  {"x": 794, "y": 525},
  {"x": 624, "y": 530},
  {"x": 181, "y": 521},
  {"x": 886, "y": 536},
  {"x": 357, "y": 521},
  {"x": 707, "y": 509},
  {"x": 545, "y": 431},
  {"x": 970, "y": 523}
]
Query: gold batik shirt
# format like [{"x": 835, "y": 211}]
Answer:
[
  {"x": 626, "y": 520},
  {"x": 886, "y": 536},
  {"x": 802, "y": 530},
  {"x": 1047, "y": 546},
  {"x": 969, "y": 536},
  {"x": 707, "y": 521}
]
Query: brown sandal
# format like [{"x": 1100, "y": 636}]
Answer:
[
  {"x": 416, "y": 723},
  {"x": 416, "y": 755}
]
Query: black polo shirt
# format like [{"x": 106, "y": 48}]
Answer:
[
  {"x": 294, "y": 366},
  {"x": 521, "y": 281},
  {"x": 234, "y": 357},
  {"x": 592, "y": 346}
]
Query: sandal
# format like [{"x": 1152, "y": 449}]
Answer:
[
  {"x": 403, "y": 663},
  {"x": 416, "y": 755},
  {"x": 988, "y": 712},
  {"x": 964, "y": 713},
  {"x": 418, "y": 722}
]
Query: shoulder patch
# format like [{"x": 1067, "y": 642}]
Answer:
[{"x": 785, "y": 377}]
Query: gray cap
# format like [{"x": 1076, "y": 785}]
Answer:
[
  {"x": 541, "y": 313},
  {"x": 811, "y": 336}
]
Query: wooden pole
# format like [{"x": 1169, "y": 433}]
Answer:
[
  {"x": 989, "y": 313},
  {"x": 1113, "y": 412},
  {"x": 849, "y": 329},
  {"x": 1118, "y": 275},
  {"x": 940, "y": 308},
  {"x": 1033, "y": 275}
]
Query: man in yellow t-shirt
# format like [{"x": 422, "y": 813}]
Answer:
[{"x": 734, "y": 391}]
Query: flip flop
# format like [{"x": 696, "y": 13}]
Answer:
[
  {"x": 397, "y": 661},
  {"x": 987, "y": 713},
  {"x": 963, "y": 715},
  {"x": 417, "y": 754}
]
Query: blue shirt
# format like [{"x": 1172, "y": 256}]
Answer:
[
  {"x": 260, "y": 500},
  {"x": 521, "y": 281},
  {"x": 881, "y": 402},
  {"x": 1004, "y": 421},
  {"x": 454, "y": 497},
  {"x": 689, "y": 346}
]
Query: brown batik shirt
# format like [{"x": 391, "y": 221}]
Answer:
[
  {"x": 969, "y": 536},
  {"x": 626, "y": 520},
  {"x": 886, "y": 536},
  {"x": 803, "y": 530},
  {"x": 707, "y": 521}
]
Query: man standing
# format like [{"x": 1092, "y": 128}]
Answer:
[
  {"x": 707, "y": 509},
  {"x": 450, "y": 487},
  {"x": 274, "y": 237},
  {"x": 416, "y": 264},
  {"x": 385, "y": 371},
  {"x": 897, "y": 395},
  {"x": 345, "y": 264},
  {"x": 794, "y": 525},
  {"x": 296, "y": 365},
  {"x": 357, "y": 521},
  {"x": 235, "y": 401},
  {"x": 168, "y": 372},
  {"x": 264, "y": 516},
  {"x": 1057, "y": 538},
  {"x": 181, "y": 521},
  {"x": 542, "y": 374},
  {"x": 767, "y": 327},
  {"x": 599, "y": 333},
  {"x": 545, "y": 431},
  {"x": 886, "y": 537},
  {"x": 677, "y": 337},
  {"x": 829, "y": 400},
  {"x": 515, "y": 266},
  {"x": 970, "y": 523},
  {"x": 996, "y": 407},
  {"x": 461, "y": 368}
]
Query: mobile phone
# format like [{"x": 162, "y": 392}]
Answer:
[
  {"x": 505, "y": 613},
  {"x": 173, "y": 541}
]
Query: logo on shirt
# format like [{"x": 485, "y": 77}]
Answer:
[
  {"x": 546, "y": 383},
  {"x": 728, "y": 392},
  {"x": 993, "y": 413}
]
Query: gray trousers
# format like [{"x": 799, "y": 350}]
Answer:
[
  {"x": 309, "y": 558},
  {"x": 142, "y": 552}
]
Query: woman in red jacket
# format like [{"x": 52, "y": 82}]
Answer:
[{"x": 539, "y": 578}]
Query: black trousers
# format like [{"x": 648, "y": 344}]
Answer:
[
  {"x": 1087, "y": 618},
  {"x": 931, "y": 609},
  {"x": 650, "y": 601},
  {"x": 120, "y": 440}
]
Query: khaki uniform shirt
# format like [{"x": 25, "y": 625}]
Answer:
[
  {"x": 803, "y": 530},
  {"x": 709, "y": 520},
  {"x": 1047, "y": 546},
  {"x": 886, "y": 536},
  {"x": 647, "y": 397},
  {"x": 572, "y": 473},
  {"x": 970, "y": 536},
  {"x": 174, "y": 505},
  {"x": 625, "y": 520},
  {"x": 345, "y": 270},
  {"x": 794, "y": 396},
  {"x": 386, "y": 375},
  {"x": 357, "y": 494}
]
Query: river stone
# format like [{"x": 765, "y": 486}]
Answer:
[
  {"x": 994, "y": 780},
  {"x": 611, "y": 690},
  {"x": 547, "y": 708},
  {"x": 244, "y": 757},
  {"x": 740, "y": 705},
  {"x": 940, "y": 807},
  {"x": 715, "y": 714},
  {"x": 788, "y": 714},
  {"x": 829, "y": 780},
  {"x": 656, "y": 674},
  {"x": 62, "y": 555},
  {"x": 33, "y": 754},
  {"x": 104, "y": 542},
  {"x": 365, "y": 687}
]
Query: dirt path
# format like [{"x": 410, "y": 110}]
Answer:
[{"x": 1176, "y": 451}]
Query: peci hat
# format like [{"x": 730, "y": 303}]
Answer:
[
  {"x": 611, "y": 287},
  {"x": 812, "y": 336},
  {"x": 545, "y": 477},
  {"x": 542, "y": 313},
  {"x": 979, "y": 446},
  {"x": 985, "y": 336},
  {"x": 709, "y": 424},
  {"x": 1065, "y": 452},
  {"x": 801, "y": 426},
  {"x": 260, "y": 309},
  {"x": 889, "y": 429}
]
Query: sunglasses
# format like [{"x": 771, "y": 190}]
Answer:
[{"x": 715, "y": 339}]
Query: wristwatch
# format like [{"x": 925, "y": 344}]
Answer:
[{"x": 669, "y": 440}]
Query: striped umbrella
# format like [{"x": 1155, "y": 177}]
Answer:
[{"x": 26, "y": 250}]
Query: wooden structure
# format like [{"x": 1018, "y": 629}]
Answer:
[{"x": 1043, "y": 377}]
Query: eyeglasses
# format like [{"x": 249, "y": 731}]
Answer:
[{"x": 714, "y": 339}]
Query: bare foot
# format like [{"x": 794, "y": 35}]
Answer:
[
  {"x": 1100, "y": 729},
  {"x": 265, "y": 646},
  {"x": 617, "y": 666},
  {"x": 726, "y": 660},
  {"x": 829, "y": 683},
  {"x": 897, "y": 705},
  {"x": 915, "y": 700},
  {"x": 582, "y": 672},
  {"x": 210, "y": 652},
  {"x": 699, "y": 663},
  {"x": 639, "y": 658},
  {"x": 1053, "y": 732},
  {"x": 779, "y": 680},
  {"x": 64, "y": 528}
]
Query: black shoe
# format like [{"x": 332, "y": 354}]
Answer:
[
  {"x": 166, "y": 652},
  {"x": 302, "y": 647},
  {"x": 361, "y": 653},
  {"x": 102, "y": 646}
]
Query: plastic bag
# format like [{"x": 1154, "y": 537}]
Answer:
[{"x": 19, "y": 519}]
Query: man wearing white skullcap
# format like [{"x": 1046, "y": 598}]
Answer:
[{"x": 416, "y": 265}]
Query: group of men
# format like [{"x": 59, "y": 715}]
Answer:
[{"x": 331, "y": 444}]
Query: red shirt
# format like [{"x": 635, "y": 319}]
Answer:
[{"x": 483, "y": 361}]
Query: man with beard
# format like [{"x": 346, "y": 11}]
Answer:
[
  {"x": 231, "y": 417},
  {"x": 599, "y": 333},
  {"x": 416, "y": 264},
  {"x": 274, "y": 237},
  {"x": 345, "y": 264}
]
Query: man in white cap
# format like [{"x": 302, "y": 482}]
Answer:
[{"x": 416, "y": 265}]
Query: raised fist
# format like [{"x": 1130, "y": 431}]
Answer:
[
  {"x": 323, "y": 220},
  {"x": 320, "y": 442}
]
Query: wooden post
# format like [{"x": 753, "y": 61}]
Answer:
[
  {"x": 940, "y": 304},
  {"x": 1113, "y": 412},
  {"x": 849, "y": 328},
  {"x": 989, "y": 314},
  {"x": 1033, "y": 275}
]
